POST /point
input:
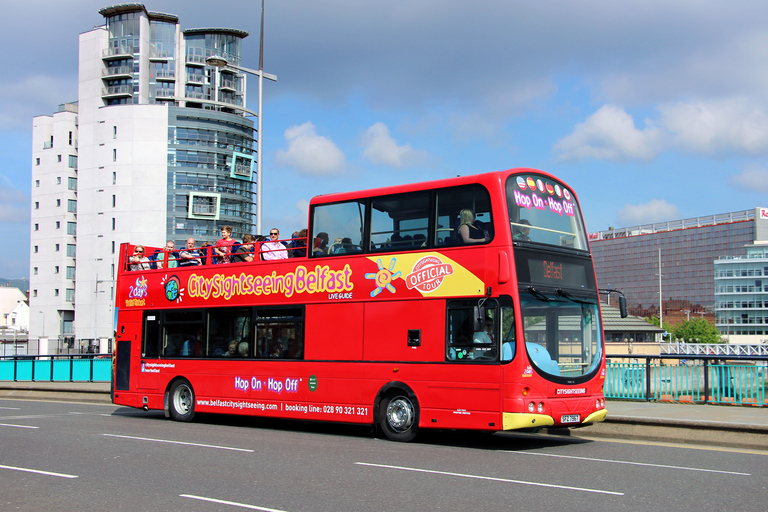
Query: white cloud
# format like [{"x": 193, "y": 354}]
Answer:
[
  {"x": 608, "y": 134},
  {"x": 310, "y": 153},
  {"x": 732, "y": 126},
  {"x": 752, "y": 179},
  {"x": 381, "y": 149},
  {"x": 656, "y": 210}
]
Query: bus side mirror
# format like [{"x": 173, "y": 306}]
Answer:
[{"x": 623, "y": 306}]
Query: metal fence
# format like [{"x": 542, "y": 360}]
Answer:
[
  {"x": 685, "y": 378},
  {"x": 57, "y": 368}
]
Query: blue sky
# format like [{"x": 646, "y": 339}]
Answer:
[{"x": 650, "y": 110}]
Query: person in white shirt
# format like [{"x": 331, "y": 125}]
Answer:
[{"x": 273, "y": 250}]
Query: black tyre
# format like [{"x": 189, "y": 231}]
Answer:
[
  {"x": 182, "y": 401},
  {"x": 399, "y": 417}
]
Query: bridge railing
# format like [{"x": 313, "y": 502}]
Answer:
[
  {"x": 685, "y": 378},
  {"x": 57, "y": 368}
]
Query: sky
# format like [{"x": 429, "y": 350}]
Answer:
[{"x": 650, "y": 110}]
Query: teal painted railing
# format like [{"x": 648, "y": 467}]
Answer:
[
  {"x": 59, "y": 368},
  {"x": 718, "y": 380}
]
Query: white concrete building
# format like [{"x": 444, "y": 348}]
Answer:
[{"x": 157, "y": 148}]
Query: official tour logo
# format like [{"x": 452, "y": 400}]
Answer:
[{"x": 428, "y": 274}]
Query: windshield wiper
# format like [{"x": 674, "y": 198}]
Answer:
[
  {"x": 563, "y": 293},
  {"x": 536, "y": 293}
]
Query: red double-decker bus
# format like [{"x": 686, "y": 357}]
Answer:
[{"x": 465, "y": 303}]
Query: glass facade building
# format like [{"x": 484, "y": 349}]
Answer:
[
  {"x": 741, "y": 292},
  {"x": 627, "y": 259}
]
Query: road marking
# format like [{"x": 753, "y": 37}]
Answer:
[
  {"x": 232, "y": 503},
  {"x": 180, "y": 442},
  {"x": 17, "y": 426},
  {"x": 494, "y": 479},
  {"x": 11, "y": 408},
  {"x": 632, "y": 463},
  {"x": 62, "y": 475},
  {"x": 676, "y": 445}
]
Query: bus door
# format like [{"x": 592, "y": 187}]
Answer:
[
  {"x": 149, "y": 345},
  {"x": 128, "y": 339}
]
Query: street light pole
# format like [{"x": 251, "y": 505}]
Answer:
[{"x": 221, "y": 62}]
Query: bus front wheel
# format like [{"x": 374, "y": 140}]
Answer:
[
  {"x": 182, "y": 401},
  {"x": 399, "y": 417}
]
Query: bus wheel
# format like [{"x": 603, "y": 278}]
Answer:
[
  {"x": 182, "y": 401},
  {"x": 399, "y": 417}
]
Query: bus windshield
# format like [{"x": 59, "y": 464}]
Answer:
[
  {"x": 562, "y": 333},
  {"x": 542, "y": 210}
]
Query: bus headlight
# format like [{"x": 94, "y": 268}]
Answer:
[
  {"x": 531, "y": 407},
  {"x": 540, "y": 408}
]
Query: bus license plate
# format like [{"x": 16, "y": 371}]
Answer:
[{"x": 569, "y": 418}]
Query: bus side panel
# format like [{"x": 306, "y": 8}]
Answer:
[
  {"x": 387, "y": 326},
  {"x": 334, "y": 332}
]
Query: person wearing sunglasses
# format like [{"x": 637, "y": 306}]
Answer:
[
  {"x": 274, "y": 250},
  {"x": 139, "y": 260}
]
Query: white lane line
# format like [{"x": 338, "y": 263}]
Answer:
[
  {"x": 11, "y": 408},
  {"x": 17, "y": 426},
  {"x": 494, "y": 479},
  {"x": 62, "y": 475},
  {"x": 231, "y": 503},
  {"x": 633, "y": 463},
  {"x": 180, "y": 442}
]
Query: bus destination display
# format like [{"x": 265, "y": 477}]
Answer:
[{"x": 557, "y": 273}]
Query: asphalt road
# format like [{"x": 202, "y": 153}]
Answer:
[{"x": 58, "y": 456}]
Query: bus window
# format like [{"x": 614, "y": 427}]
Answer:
[
  {"x": 338, "y": 229},
  {"x": 451, "y": 202},
  {"x": 508, "y": 338},
  {"x": 229, "y": 332},
  {"x": 400, "y": 222},
  {"x": 472, "y": 331},
  {"x": 280, "y": 333},
  {"x": 151, "y": 337},
  {"x": 182, "y": 333}
]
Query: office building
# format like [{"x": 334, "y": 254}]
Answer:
[
  {"x": 628, "y": 259},
  {"x": 157, "y": 147},
  {"x": 741, "y": 296}
]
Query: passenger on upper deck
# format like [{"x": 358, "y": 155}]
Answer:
[
  {"x": 139, "y": 260},
  {"x": 224, "y": 245},
  {"x": 245, "y": 251},
  {"x": 320, "y": 247},
  {"x": 521, "y": 232},
  {"x": 189, "y": 256},
  {"x": 467, "y": 232},
  {"x": 273, "y": 250},
  {"x": 173, "y": 257},
  {"x": 299, "y": 245}
]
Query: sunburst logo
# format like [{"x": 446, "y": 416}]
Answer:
[
  {"x": 384, "y": 277},
  {"x": 173, "y": 289}
]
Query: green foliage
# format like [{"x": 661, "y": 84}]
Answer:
[
  {"x": 699, "y": 328},
  {"x": 653, "y": 320}
]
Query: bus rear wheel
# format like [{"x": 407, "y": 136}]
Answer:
[
  {"x": 399, "y": 417},
  {"x": 182, "y": 401}
]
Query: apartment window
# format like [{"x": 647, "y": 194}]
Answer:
[
  {"x": 72, "y": 183},
  {"x": 113, "y": 223},
  {"x": 58, "y": 224},
  {"x": 58, "y": 180},
  {"x": 112, "y": 274},
  {"x": 37, "y": 161},
  {"x": 70, "y": 297},
  {"x": 37, "y": 205},
  {"x": 56, "y": 292},
  {"x": 71, "y": 250},
  {"x": 114, "y": 132},
  {"x": 56, "y": 269},
  {"x": 58, "y": 158},
  {"x": 37, "y": 183},
  {"x": 58, "y": 202},
  {"x": 114, "y": 178},
  {"x": 37, "y": 226},
  {"x": 57, "y": 247},
  {"x": 73, "y": 161},
  {"x": 114, "y": 155},
  {"x": 35, "y": 249},
  {"x": 70, "y": 272},
  {"x": 70, "y": 138},
  {"x": 113, "y": 247},
  {"x": 34, "y": 270},
  {"x": 71, "y": 228},
  {"x": 34, "y": 293},
  {"x": 72, "y": 205},
  {"x": 114, "y": 200}
]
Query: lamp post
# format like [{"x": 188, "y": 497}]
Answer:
[{"x": 221, "y": 62}]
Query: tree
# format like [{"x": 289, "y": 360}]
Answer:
[{"x": 697, "y": 329}]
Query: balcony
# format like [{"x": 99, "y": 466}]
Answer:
[
  {"x": 194, "y": 95},
  {"x": 117, "y": 72},
  {"x": 203, "y": 209},
  {"x": 195, "y": 79},
  {"x": 230, "y": 85},
  {"x": 195, "y": 60},
  {"x": 119, "y": 52},
  {"x": 116, "y": 91},
  {"x": 165, "y": 75},
  {"x": 165, "y": 93}
]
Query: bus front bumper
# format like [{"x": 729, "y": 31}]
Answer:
[{"x": 521, "y": 420}]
